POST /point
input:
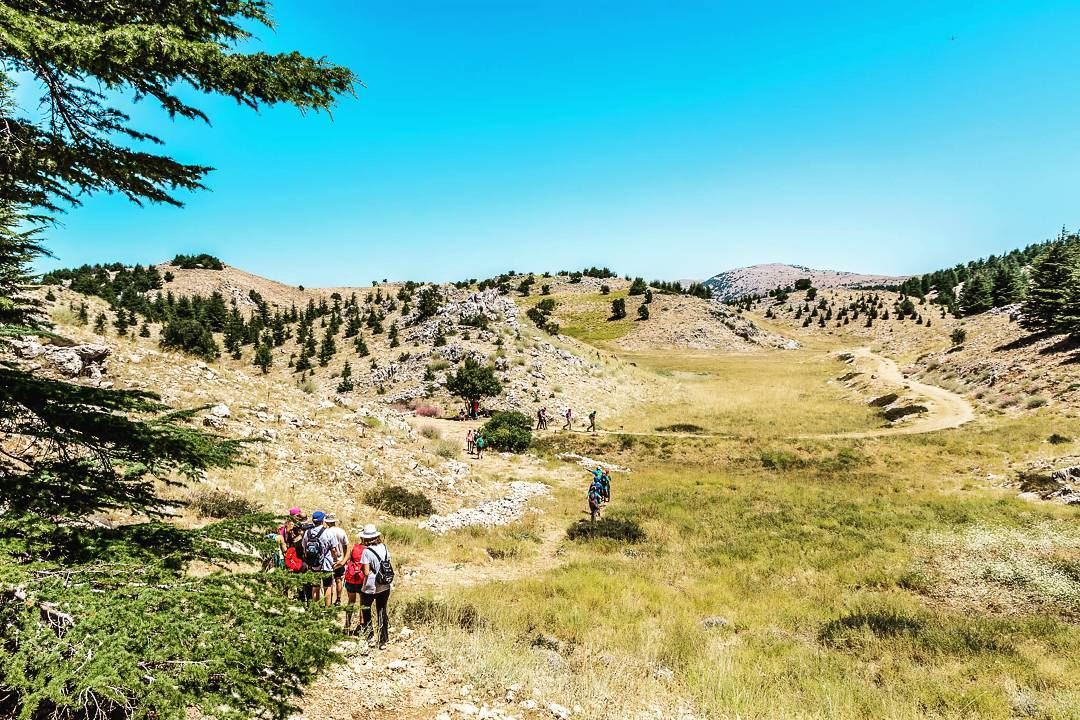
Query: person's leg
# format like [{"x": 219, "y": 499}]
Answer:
[
  {"x": 381, "y": 601},
  {"x": 350, "y": 608},
  {"x": 365, "y": 628}
]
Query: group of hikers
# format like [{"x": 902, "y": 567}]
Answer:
[
  {"x": 360, "y": 571},
  {"x": 475, "y": 442},
  {"x": 568, "y": 416},
  {"x": 599, "y": 492}
]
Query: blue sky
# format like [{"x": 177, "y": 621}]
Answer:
[{"x": 665, "y": 139}]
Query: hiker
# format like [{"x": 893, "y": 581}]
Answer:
[
  {"x": 470, "y": 440},
  {"x": 540, "y": 419},
  {"x": 320, "y": 551},
  {"x": 605, "y": 486},
  {"x": 287, "y": 529},
  {"x": 478, "y": 439},
  {"x": 475, "y": 409},
  {"x": 595, "y": 497},
  {"x": 378, "y": 579},
  {"x": 354, "y": 584},
  {"x": 569, "y": 420},
  {"x": 592, "y": 422},
  {"x": 342, "y": 539}
]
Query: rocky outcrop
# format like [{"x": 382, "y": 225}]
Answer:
[
  {"x": 503, "y": 511},
  {"x": 87, "y": 360}
]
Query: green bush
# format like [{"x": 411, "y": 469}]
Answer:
[
  {"x": 218, "y": 504},
  {"x": 508, "y": 431},
  {"x": 617, "y": 529},
  {"x": 190, "y": 336},
  {"x": 1057, "y": 439},
  {"x": 399, "y": 501},
  {"x": 201, "y": 261},
  {"x": 958, "y": 336}
]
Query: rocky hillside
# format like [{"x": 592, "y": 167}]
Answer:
[
  {"x": 997, "y": 364},
  {"x": 759, "y": 279}
]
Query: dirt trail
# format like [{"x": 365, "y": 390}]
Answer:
[{"x": 946, "y": 409}]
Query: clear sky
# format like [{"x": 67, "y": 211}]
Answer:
[{"x": 671, "y": 139}]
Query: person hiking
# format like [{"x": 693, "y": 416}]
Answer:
[
  {"x": 470, "y": 440},
  {"x": 354, "y": 585},
  {"x": 378, "y": 581},
  {"x": 592, "y": 422},
  {"x": 605, "y": 486},
  {"x": 480, "y": 443},
  {"x": 595, "y": 498},
  {"x": 540, "y": 419},
  {"x": 569, "y": 420},
  {"x": 342, "y": 539},
  {"x": 320, "y": 551},
  {"x": 475, "y": 409}
]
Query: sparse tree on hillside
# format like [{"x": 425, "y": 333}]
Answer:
[
  {"x": 327, "y": 349},
  {"x": 473, "y": 382},
  {"x": 618, "y": 309},
  {"x": 638, "y": 287},
  {"x": 346, "y": 384},
  {"x": 264, "y": 357},
  {"x": 643, "y": 312}
]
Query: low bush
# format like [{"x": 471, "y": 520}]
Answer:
[
  {"x": 430, "y": 432},
  {"x": 1057, "y": 439},
  {"x": 894, "y": 414},
  {"x": 958, "y": 336},
  {"x": 617, "y": 529},
  {"x": 884, "y": 400},
  {"x": 1036, "y": 401},
  {"x": 399, "y": 501},
  {"x": 219, "y": 504},
  {"x": 425, "y": 410},
  {"x": 681, "y": 428},
  {"x": 190, "y": 336},
  {"x": 780, "y": 460},
  {"x": 447, "y": 450},
  {"x": 429, "y": 611},
  {"x": 508, "y": 431}
]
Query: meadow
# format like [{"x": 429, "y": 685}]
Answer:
[{"x": 876, "y": 578}]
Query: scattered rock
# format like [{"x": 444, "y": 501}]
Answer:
[
  {"x": 503, "y": 511},
  {"x": 221, "y": 410}
]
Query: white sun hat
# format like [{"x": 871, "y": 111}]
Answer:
[{"x": 369, "y": 532}]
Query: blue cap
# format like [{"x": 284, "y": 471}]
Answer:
[{"x": 318, "y": 516}]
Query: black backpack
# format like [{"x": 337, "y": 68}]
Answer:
[
  {"x": 384, "y": 571},
  {"x": 312, "y": 550}
]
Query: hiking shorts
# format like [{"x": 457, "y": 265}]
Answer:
[
  {"x": 339, "y": 572},
  {"x": 350, "y": 587},
  {"x": 326, "y": 578}
]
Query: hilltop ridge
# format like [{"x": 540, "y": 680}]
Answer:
[{"x": 761, "y": 278}]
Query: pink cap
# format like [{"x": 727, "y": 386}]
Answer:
[{"x": 296, "y": 511}]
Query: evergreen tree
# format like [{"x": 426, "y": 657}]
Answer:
[
  {"x": 99, "y": 323},
  {"x": 393, "y": 335},
  {"x": 618, "y": 309},
  {"x": 638, "y": 287},
  {"x": 361, "y": 346},
  {"x": 346, "y": 384},
  {"x": 264, "y": 357},
  {"x": 83, "y": 316},
  {"x": 1054, "y": 274},
  {"x": 1008, "y": 285},
  {"x": 643, "y": 312},
  {"x": 327, "y": 349},
  {"x": 144, "y": 331},
  {"x": 977, "y": 295}
]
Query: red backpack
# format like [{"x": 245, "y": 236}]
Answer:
[
  {"x": 293, "y": 563},
  {"x": 354, "y": 568}
]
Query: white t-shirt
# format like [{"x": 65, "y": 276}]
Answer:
[
  {"x": 373, "y": 557},
  {"x": 342, "y": 538},
  {"x": 327, "y": 543}
]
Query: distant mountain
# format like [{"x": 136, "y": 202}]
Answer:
[{"x": 759, "y": 279}]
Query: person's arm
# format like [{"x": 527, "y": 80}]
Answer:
[{"x": 369, "y": 573}]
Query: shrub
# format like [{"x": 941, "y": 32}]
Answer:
[
  {"x": 509, "y": 431},
  {"x": 958, "y": 336},
  {"x": 1036, "y": 401},
  {"x": 429, "y": 611},
  {"x": 430, "y": 432},
  {"x": 780, "y": 460},
  {"x": 884, "y": 400},
  {"x": 618, "y": 309},
  {"x": 399, "y": 501},
  {"x": 218, "y": 504},
  {"x": 425, "y": 410},
  {"x": 190, "y": 336},
  {"x": 681, "y": 428},
  {"x": 447, "y": 450},
  {"x": 1056, "y": 439},
  {"x": 894, "y": 414},
  {"x": 617, "y": 529}
]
